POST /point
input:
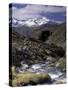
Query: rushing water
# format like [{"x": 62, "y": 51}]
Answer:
[{"x": 55, "y": 73}]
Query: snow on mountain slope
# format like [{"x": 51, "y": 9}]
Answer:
[
  {"x": 29, "y": 22},
  {"x": 35, "y": 22}
]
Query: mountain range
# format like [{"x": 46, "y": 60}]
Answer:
[{"x": 35, "y": 22}]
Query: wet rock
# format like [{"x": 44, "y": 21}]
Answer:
[
  {"x": 36, "y": 66},
  {"x": 24, "y": 66}
]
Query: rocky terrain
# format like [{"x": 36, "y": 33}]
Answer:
[{"x": 32, "y": 57}]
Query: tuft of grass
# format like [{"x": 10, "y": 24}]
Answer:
[
  {"x": 27, "y": 78},
  {"x": 61, "y": 63}
]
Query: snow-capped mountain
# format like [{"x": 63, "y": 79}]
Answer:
[
  {"x": 29, "y": 22},
  {"x": 35, "y": 22}
]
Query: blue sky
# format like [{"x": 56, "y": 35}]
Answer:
[{"x": 25, "y": 11}]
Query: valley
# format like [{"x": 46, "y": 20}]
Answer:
[{"x": 32, "y": 57}]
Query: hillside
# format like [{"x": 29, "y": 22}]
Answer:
[
  {"x": 58, "y": 37},
  {"x": 34, "y": 51},
  {"x": 31, "y": 56}
]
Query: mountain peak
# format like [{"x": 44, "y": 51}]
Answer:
[{"x": 32, "y": 22}]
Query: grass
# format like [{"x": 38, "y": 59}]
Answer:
[
  {"x": 27, "y": 78},
  {"x": 61, "y": 63}
]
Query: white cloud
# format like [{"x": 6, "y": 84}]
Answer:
[
  {"x": 55, "y": 9},
  {"x": 31, "y": 11}
]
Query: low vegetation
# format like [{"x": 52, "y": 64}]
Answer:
[{"x": 27, "y": 78}]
